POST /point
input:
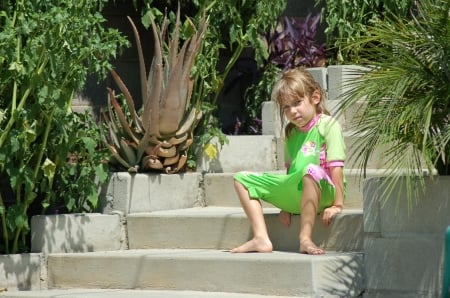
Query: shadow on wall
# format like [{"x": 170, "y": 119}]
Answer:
[
  {"x": 60, "y": 233},
  {"x": 344, "y": 276},
  {"x": 20, "y": 271},
  {"x": 404, "y": 247}
]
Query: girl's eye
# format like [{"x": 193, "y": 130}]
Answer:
[
  {"x": 293, "y": 105},
  {"x": 297, "y": 103}
]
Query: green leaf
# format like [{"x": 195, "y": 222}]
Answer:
[
  {"x": 49, "y": 168},
  {"x": 101, "y": 173}
]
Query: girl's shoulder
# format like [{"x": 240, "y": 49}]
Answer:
[
  {"x": 326, "y": 118},
  {"x": 327, "y": 123}
]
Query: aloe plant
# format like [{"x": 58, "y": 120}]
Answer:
[{"x": 158, "y": 135}]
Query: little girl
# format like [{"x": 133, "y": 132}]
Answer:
[{"x": 314, "y": 155}]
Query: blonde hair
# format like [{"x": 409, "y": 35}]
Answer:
[{"x": 293, "y": 84}]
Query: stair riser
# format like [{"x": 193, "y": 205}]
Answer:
[
  {"x": 153, "y": 192},
  {"x": 219, "y": 190},
  {"x": 228, "y": 273},
  {"x": 266, "y": 153},
  {"x": 228, "y": 231}
]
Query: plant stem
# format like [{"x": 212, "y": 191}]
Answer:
[
  {"x": 4, "y": 229},
  {"x": 24, "y": 98},
  {"x": 28, "y": 199},
  {"x": 237, "y": 53}
]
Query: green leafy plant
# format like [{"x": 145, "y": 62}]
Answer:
[
  {"x": 159, "y": 135},
  {"x": 405, "y": 94},
  {"x": 346, "y": 21},
  {"x": 47, "y": 50},
  {"x": 81, "y": 168},
  {"x": 234, "y": 27}
]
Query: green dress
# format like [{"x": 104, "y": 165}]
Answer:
[{"x": 308, "y": 151}]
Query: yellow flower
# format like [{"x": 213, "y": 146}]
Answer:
[{"x": 211, "y": 151}]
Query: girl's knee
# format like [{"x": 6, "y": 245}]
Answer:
[{"x": 309, "y": 182}]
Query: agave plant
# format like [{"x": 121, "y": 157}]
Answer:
[
  {"x": 406, "y": 92},
  {"x": 158, "y": 135}
]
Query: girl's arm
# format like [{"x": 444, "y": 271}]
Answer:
[{"x": 337, "y": 175}]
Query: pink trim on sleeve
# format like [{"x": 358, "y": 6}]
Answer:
[{"x": 335, "y": 163}]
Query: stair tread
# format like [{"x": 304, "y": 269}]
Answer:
[
  {"x": 211, "y": 270},
  {"x": 221, "y": 211},
  {"x": 199, "y": 253},
  {"x": 120, "y": 293}
]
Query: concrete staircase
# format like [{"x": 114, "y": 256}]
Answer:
[{"x": 169, "y": 235}]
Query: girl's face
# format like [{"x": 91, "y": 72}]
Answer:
[{"x": 300, "y": 111}]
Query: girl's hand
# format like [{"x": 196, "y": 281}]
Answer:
[
  {"x": 329, "y": 213},
  {"x": 285, "y": 218}
]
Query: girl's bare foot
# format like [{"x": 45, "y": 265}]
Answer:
[
  {"x": 254, "y": 245},
  {"x": 308, "y": 247}
]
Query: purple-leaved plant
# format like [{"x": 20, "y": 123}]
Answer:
[{"x": 293, "y": 43}]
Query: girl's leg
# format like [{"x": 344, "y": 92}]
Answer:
[
  {"x": 309, "y": 207},
  {"x": 253, "y": 209}
]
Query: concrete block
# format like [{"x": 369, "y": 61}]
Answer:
[
  {"x": 433, "y": 205},
  {"x": 320, "y": 74},
  {"x": 134, "y": 193},
  {"x": 242, "y": 153},
  {"x": 400, "y": 216},
  {"x": 76, "y": 233},
  {"x": 339, "y": 78},
  {"x": 271, "y": 122},
  {"x": 346, "y": 118},
  {"x": 403, "y": 267},
  {"x": 371, "y": 194},
  {"x": 21, "y": 272},
  {"x": 219, "y": 190},
  {"x": 353, "y": 143}
]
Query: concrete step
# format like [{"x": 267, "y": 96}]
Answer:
[
  {"x": 277, "y": 273},
  {"x": 133, "y": 193},
  {"x": 219, "y": 189},
  {"x": 120, "y": 293},
  {"x": 227, "y": 227},
  {"x": 266, "y": 153}
]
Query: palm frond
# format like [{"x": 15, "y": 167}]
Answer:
[{"x": 405, "y": 94}]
